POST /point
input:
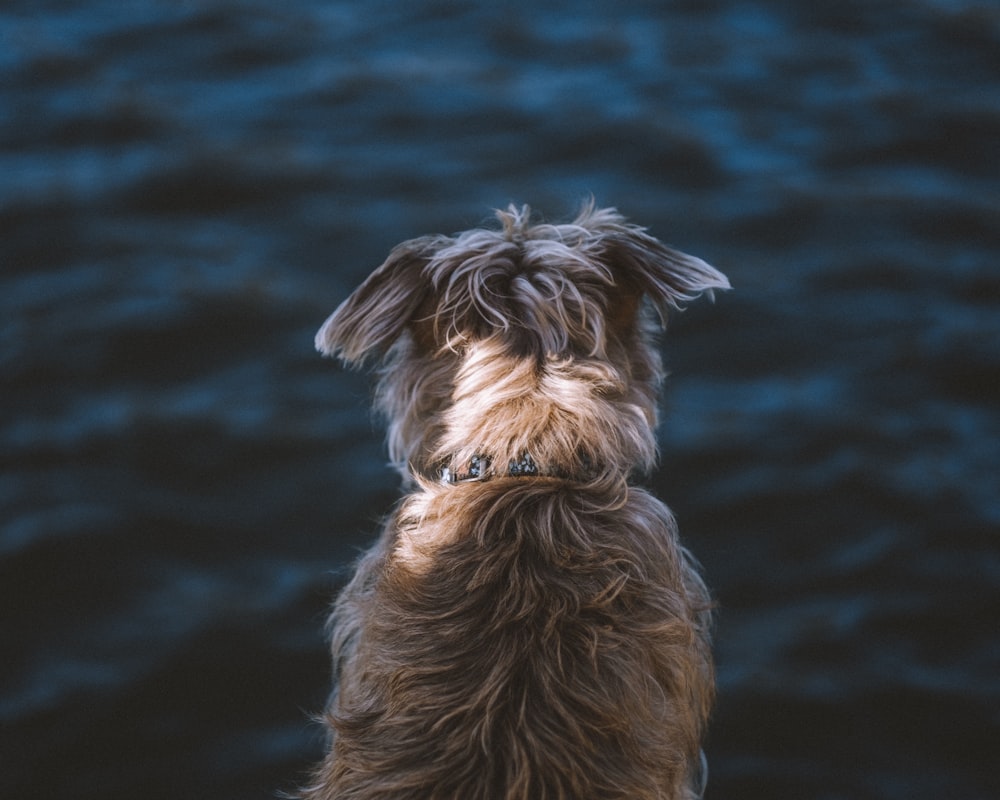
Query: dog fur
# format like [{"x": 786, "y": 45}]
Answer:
[{"x": 528, "y": 625}]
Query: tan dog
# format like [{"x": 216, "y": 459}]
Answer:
[{"x": 528, "y": 625}]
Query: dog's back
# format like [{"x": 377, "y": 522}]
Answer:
[{"x": 555, "y": 645}]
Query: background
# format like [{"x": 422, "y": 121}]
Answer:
[{"x": 189, "y": 188}]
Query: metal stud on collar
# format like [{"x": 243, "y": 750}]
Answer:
[
  {"x": 478, "y": 466},
  {"x": 526, "y": 466}
]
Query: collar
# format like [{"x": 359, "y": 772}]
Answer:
[
  {"x": 523, "y": 467},
  {"x": 479, "y": 469}
]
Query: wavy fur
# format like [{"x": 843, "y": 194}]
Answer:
[{"x": 540, "y": 638}]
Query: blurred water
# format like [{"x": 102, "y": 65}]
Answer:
[{"x": 189, "y": 188}]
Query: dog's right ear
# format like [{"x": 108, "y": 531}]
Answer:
[
  {"x": 666, "y": 276},
  {"x": 368, "y": 322}
]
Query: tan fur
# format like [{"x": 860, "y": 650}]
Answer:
[{"x": 539, "y": 637}]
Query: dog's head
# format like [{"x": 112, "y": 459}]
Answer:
[{"x": 528, "y": 339}]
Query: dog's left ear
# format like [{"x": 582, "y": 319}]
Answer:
[
  {"x": 368, "y": 322},
  {"x": 667, "y": 276}
]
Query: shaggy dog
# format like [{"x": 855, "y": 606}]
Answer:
[{"x": 528, "y": 625}]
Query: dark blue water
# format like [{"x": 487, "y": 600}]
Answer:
[{"x": 187, "y": 189}]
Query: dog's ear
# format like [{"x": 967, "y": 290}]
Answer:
[
  {"x": 368, "y": 322},
  {"x": 667, "y": 276}
]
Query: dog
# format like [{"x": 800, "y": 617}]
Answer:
[{"x": 528, "y": 625}]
